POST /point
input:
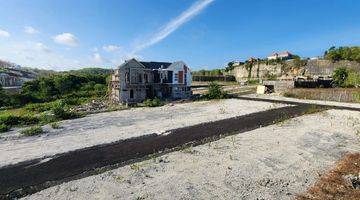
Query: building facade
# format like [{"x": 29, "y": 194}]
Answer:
[
  {"x": 282, "y": 56},
  {"x": 134, "y": 81}
]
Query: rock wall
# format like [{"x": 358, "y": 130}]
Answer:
[
  {"x": 291, "y": 68},
  {"x": 327, "y": 67},
  {"x": 258, "y": 71},
  {"x": 8, "y": 81}
]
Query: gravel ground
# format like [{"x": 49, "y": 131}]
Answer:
[
  {"x": 113, "y": 126},
  {"x": 273, "y": 162}
]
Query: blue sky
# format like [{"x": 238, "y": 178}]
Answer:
[{"x": 68, "y": 34}]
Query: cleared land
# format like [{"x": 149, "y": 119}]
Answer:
[
  {"x": 273, "y": 162},
  {"x": 109, "y": 127}
]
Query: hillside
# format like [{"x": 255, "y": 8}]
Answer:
[{"x": 13, "y": 75}]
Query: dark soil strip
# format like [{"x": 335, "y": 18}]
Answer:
[
  {"x": 29, "y": 177},
  {"x": 293, "y": 103}
]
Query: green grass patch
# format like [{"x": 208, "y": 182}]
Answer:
[
  {"x": 35, "y": 130},
  {"x": 55, "y": 125},
  {"x": 4, "y": 128},
  {"x": 153, "y": 102}
]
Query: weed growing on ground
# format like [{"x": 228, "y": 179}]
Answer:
[
  {"x": 35, "y": 130},
  {"x": 153, "y": 157},
  {"x": 4, "y": 128},
  {"x": 222, "y": 111},
  {"x": 55, "y": 125},
  {"x": 153, "y": 102},
  {"x": 119, "y": 178},
  {"x": 135, "y": 167},
  {"x": 231, "y": 158},
  {"x": 189, "y": 150},
  {"x": 312, "y": 109}
]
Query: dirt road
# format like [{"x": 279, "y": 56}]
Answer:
[{"x": 34, "y": 175}]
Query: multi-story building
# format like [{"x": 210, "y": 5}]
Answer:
[{"x": 134, "y": 81}]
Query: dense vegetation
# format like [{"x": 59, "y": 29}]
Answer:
[
  {"x": 343, "y": 53},
  {"x": 214, "y": 72},
  {"x": 49, "y": 99},
  {"x": 71, "y": 87},
  {"x": 345, "y": 77}
]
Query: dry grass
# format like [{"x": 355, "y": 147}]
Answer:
[
  {"x": 333, "y": 185},
  {"x": 328, "y": 94}
]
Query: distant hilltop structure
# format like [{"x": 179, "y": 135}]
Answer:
[
  {"x": 134, "y": 81},
  {"x": 282, "y": 56}
]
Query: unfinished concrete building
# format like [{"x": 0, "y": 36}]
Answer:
[{"x": 134, "y": 81}]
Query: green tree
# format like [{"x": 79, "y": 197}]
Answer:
[
  {"x": 3, "y": 97},
  {"x": 339, "y": 77},
  {"x": 47, "y": 88},
  {"x": 230, "y": 66},
  {"x": 343, "y": 53},
  {"x": 215, "y": 91}
]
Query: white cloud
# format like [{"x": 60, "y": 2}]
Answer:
[
  {"x": 30, "y": 54},
  {"x": 4, "y": 33},
  {"x": 95, "y": 49},
  {"x": 30, "y": 30},
  {"x": 174, "y": 24},
  {"x": 66, "y": 39},
  {"x": 111, "y": 48},
  {"x": 41, "y": 47},
  {"x": 97, "y": 57}
]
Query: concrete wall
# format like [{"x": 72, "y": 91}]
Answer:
[{"x": 280, "y": 86}]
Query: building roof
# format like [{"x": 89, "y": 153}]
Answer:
[
  {"x": 286, "y": 53},
  {"x": 155, "y": 65}
]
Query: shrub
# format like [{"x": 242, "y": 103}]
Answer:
[
  {"x": 152, "y": 102},
  {"x": 253, "y": 82},
  {"x": 271, "y": 77},
  {"x": 353, "y": 79},
  {"x": 47, "y": 117},
  {"x": 28, "y": 120},
  {"x": 55, "y": 125},
  {"x": 60, "y": 112},
  {"x": 339, "y": 77},
  {"x": 9, "y": 120},
  {"x": 4, "y": 128},
  {"x": 35, "y": 130},
  {"x": 12, "y": 120},
  {"x": 215, "y": 91},
  {"x": 39, "y": 107}
]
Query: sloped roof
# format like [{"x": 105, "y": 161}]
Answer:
[{"x": 155, "y": 65}]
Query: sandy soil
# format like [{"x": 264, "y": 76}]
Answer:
[
  {"x": 273, "y": 162},
  {"x": 113, "y": 126}
]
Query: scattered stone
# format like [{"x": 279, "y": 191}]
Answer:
[
  {"x": 93, "y": 106},
  {"x": 73, "y": 188},
  {"x": 354, "y": 180}
]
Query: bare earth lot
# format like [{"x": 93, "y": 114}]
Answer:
[
  {"x": 113, "y": 126},
  {"x": 273, "y": 162}
]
